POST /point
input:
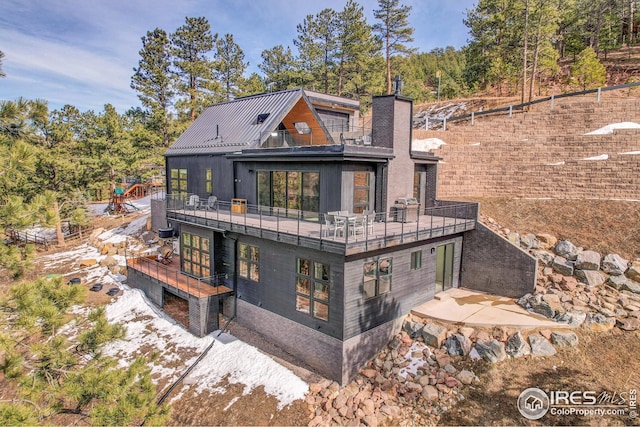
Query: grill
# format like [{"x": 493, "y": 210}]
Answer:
[{"x": 405, "y": 209}]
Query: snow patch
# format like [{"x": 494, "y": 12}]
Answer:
[
  {"x": 608, "y": 129},
  {"x": 474, "y": 144},
  {"x": 630, "y": 153},
  {"x": 415, "y": 363},
  {"x": 597, "y": 158},
  {"x": 556, "y": 164},
  {"x": 427, "y": 144}
]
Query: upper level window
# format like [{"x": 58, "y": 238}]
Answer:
[
  {"x": 249, "y": 262},
  {"x": 377, "y": 277},
  {"x": 361, "y": 191},
  {"x": 312, "y": 288},
  {"x": 261, "y": 118},
  {"x": 178, "y": 181},
  {"x": 208, "y": 181}
]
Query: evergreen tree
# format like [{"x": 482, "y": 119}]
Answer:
[
  {"x": 394, "y": 31},
  {"x": 251, "y": 86},
  {"x": 588, "y": 71},
  {"x": 357, "y": 51},
  {"x": 317, "y": 44},
  {"x": 229, "y": 66},
  {"x": 279, "y": 68},
  {"x": 192, "y": 45},
  {"x": 152, "y": 79}
]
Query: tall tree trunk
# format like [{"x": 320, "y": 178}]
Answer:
[
  {"x": 388, "y": 49},
  {"x": 525, "y": 36},
  {"x": 535, "y": 62},
  {"x": 56, "y": 212}
]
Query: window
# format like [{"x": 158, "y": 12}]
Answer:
[
  {"x": 208, "y": 184},
  {"x": 249, "y": 262},
  {"x": 377, "y": 277},
  {"x": 293, "y": 191},
  {"x": 361, "y": 189},
  {"x": 196, "y": 255},
  {"x": 416, "y": 260},
  {"x": 417, "y": 185},
  {"x": 312, "y": 288},
  {"x": 178, "y": 181},
  {"x": 261, "y": 118}
]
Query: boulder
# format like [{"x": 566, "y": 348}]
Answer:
[
  {"x": 540, "y": 346},
  {"x": 588, "y": 260},
  {"x": 545, "y": 257},
  {"x": 599, "y": 322},
  {"x": 412, "y": 328},
  {"x": 529, "y": 241},
  {"x": 540, "y": 306},
  {"x": 517, "y": 346},
  {"x": 614, "y": 264},
  {"x": 572, "y": 318},
  {"x": 434, "y": 335},
  {"x": 554, "y": 302},
  {"x": 523, "y": 301},
  {"x": 109, "y": 261},
  {"x": 491, "y": 350},
  {"x": 546, "y": 241},
  {"x": 564, "y": 339},
  {"x": 87, "y": 262},
  {"x": 430, "y": 393},
  {"x": 633, "y": 272},
  {"x": 562, "y": 265},
  {"x": 569, "y": 283},
  {"x": 458, "y": 345},
  {"x": 514, "y": 238},
  {"x": 466, "y": 331},
  {"x": 590, "y": 277},
  {"x": 567, "y": 250},
  {"x": 622, "y": 283},
  {"x": 629, "y": 324},
  {"x": 466, "y": 377}
]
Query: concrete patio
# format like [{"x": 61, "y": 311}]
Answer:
[{"x": 463, "y": 306}]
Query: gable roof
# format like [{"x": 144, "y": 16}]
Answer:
[{"x": 231, "y": 126}]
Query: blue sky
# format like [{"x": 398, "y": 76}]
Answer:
[{"x": 82, "y": 52}]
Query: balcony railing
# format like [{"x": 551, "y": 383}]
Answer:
[
  {"x": 311, "y": 229},
  {"x": 340, "y": 135},
  {"x": 178, "y": 281}
]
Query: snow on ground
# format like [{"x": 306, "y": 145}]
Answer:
[
  {"x": 630, "y": 153},
  {"x": 415, "y": 362},
  {"x": 555, "y": 164},
  {"x": 597, "y": 158},
  {"x": 427, "y": 144},
  {"x": 149, "y": 328},
  {"x": 238, "y": 362},
  {"x": 608, "y": 129}
]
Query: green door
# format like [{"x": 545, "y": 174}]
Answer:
[{"x": 444, "y": 267}]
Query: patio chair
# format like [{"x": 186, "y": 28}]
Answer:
[
  {"x": 164, "y": 257},
  {"x": 339, "y": 225},
  {"x": 368, "y": 220},
  {"x": 329, "y": 222},
  {"x": 212, "y": 203},
  {"x": 193, "y": 202}
]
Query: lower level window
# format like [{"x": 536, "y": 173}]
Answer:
[
  {"x": 249, "y": 262},
  {"x": 312, "y": 288},
  {"x": 377, "y": 277}
]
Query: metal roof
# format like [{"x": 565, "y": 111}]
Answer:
[{"x": 232, "y": 126}]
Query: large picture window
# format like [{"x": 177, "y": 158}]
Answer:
[
  {"x": 312, "y": 288},
  {"x": 196, "y": 255},
  {"x": 178, "y": 181},
  {"x": 249, "y": 262},
  {"x": 291, "y": 191},
  {"x": 377, "y": 277}
]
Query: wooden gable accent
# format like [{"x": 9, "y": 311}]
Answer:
[{"x": 301, "y": 113}]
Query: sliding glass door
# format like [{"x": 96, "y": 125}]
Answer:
[{"x": 289, "y": 193}]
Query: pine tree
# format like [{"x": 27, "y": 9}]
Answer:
[
  {"x": 152, "y": 78},
  {"x": 251, "y": 86},
  {"x": 357, "y": 50},
  {"x": 192, "y": 45},
  {"x": 394, "y": 31},
  {"x": 588, "y": 71},
  {"x": 229, "y": 66},
  {"x": 279, "y": 68}
]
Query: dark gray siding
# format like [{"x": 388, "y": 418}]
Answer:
[
  {"x": 221, "y": 167},
  {"x": 490, "y": 263},
  {"x": 276, "y": 291},
  {"x": 409, "y": 288}
]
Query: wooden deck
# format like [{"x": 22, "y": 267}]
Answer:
[
  {"x": 171, "y": 275},
  {"x": 315, "y": 234}
]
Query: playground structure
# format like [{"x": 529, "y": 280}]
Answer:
[{"x": 123, "y": 195}]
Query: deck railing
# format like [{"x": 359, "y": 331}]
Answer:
[
  {"x": 174, "y": 279},
  {"x": 311, "y": 228}
]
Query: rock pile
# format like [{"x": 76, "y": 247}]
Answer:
[{"x": 580, "y": 287}]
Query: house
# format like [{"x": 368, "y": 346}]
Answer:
[{"x": 315, "y": 232}]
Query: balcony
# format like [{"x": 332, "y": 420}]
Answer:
[
  {"x": 310, "y": 229},
  {"x": 176, "y": 281},
  {"x": 338, "y": 135}
]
